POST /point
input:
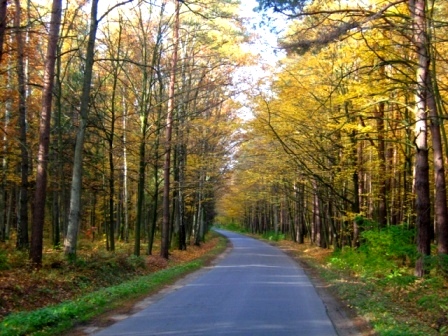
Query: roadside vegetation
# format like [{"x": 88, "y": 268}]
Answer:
[
  {"x": 62, "y": 294},
  {"x": 377, "y": 280}
]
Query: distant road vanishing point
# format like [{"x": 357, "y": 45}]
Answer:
[{"x": 255, "y": 289}]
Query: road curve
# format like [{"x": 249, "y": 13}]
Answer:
[{"x": 255, "y": 290}]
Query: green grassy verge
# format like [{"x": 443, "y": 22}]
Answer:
[
  {"x": 376, "y": 301},
  {"x": 56, "y": 319},
  {"x": 377, "y": 281}
]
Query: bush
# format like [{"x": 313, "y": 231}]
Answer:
[
  {"x": 271, "y": 235},
  {"x": 3, "y": 261},
  {"x": 383, "y": 253},
  {"x": 135, "y": 262},
  {"x": 394, "y": 242},
  {"x": 235, "y": 227}
]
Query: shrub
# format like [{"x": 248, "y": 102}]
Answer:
[
  {"x": 383, "y": 253},
  {"x": 3, "y": 261},
  {"x": 271, "y": 235}
]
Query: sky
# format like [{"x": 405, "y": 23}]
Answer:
[{"x": 264, "y": 47}]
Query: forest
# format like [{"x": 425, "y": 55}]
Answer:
[
  {"x": 116, "y": 123},
  {"x": 349, "y": 140},
  {"x": 137, "y": 125}
]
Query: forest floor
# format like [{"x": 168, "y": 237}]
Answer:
[{"x": 23, "y": 288}]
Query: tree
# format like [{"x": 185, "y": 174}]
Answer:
[
  {"x": 419, "y": 30},
  {"x": 165, "y": 242},
  {"x": 3, "y": 11},
  {"x": 22, "y": 226},
  {"x": 76, "y": 186},
  {"x": 44, "y": 135},
  {"x": 346, "y": 21}
]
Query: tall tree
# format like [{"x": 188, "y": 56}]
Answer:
[
  {"x": 166, "y": 222},
  {"x": 423, "y": 204},
  {"x": 22, "y": 225},
  {"x": 3, "y": 11},
  {"x": 44, "y": 135},
  {"x": 71, "y": 238},
  {"x": 418, "y": 34}
]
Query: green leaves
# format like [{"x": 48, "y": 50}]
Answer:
[{"x": 383, "y": 253}]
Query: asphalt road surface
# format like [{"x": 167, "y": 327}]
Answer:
[{"x": 254, "y": 290}]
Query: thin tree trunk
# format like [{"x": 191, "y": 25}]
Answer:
[
  {"x": 381, "y": 148},
  {"x": 317, "y": 223},
  {"x": 3, "y": 11},
  {"x": 440, "y": 201},
  {"x": 44, "y": 136},
  {"x": 3, "y": 190},
  {"x": 9, "y": 206},
  {"x": 182, "y": 238},
  {"x": 125, "y": 176},
  {"x": 71, "y": 238},
  {"x": 22, "y": 225},
  {"x": 165, "y": 243},
  {"x": 111, "y": 232}
]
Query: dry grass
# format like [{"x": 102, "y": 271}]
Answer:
[{"x": 23, "y": 288}]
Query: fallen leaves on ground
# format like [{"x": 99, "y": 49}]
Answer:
[{"x": 24, "y": 288}]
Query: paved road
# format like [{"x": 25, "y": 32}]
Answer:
[{"x": 255, "y": 290}]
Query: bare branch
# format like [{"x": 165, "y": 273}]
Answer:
[
  {"x": 339, "y": 31},
  {"x": 112, "y": 8}
]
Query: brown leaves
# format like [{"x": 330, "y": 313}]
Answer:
[{"x": 22, "y": 289}]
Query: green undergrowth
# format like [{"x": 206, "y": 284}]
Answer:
[
  {"x": 377, "y": 281},
  {"x": 234, "y": 227},
  {"x": 53, "y": 320},
  {"x": 273, "y": 236}
]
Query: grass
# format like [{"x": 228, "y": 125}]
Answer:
[
  {"x": 54, "y": 319},
  {"x": 395, "y": 302}
]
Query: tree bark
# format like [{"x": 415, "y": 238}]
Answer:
[
  {"x": 423, "y": 204},
  {"x": 440, "y": 200},
  {"x": 71, "y": 238},
  {"x": 44, "y": 136},
  {"x": 3, "y": 11},
  {"x": 165, "y": 239},
  {"x": 22, "y": 225},
  {"x": 381, "y": 148}
]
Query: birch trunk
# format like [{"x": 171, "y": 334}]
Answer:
[{"x": 423, "y": 204}]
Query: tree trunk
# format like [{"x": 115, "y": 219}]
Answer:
[
  {"x": 22, "y": 225},
  {"x": 165, "y": 243},
  {"x": 125, "y": 177},
  {"x": 4, "y": 235},
  {"x": 440, "y": 200},
  {"x": 71, "y": 238},
  {"x": 182, "y": 239},
  {"x": 44, "y": 136},
  {"x": 3, "y": 11},
  {"x": 140, "y": 192},
  {"x": 381, "y": 148},
  {"x": 423, "y": 204}
]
